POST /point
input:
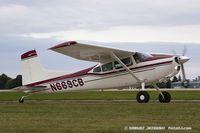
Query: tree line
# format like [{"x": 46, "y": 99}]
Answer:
[{"x": 8, "y": 83}]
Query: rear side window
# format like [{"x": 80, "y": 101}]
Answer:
[
  {"x": 107, "y": 67},
  {"x": 97, "y": 69}
]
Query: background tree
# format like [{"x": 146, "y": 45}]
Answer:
[
  {"x": 3, "y": 81},
  {"x": 9, "y": 83},
  {"x": 12, "y": 83}
]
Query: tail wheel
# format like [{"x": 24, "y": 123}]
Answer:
[
  {"x": 166, "y": 98},
  {"x": 143, "y": 97},
  {"x": 21, "y": 100}
]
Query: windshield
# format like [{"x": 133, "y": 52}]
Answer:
[{"x": 139, "y": 57}]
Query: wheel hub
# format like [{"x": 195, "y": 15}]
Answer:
[{"x": 142, "y": 97}]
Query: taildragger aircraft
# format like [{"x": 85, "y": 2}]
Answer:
[{"x": 116, "y": 68}]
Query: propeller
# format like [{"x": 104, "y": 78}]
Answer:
[{"x": 183, "y": 59}]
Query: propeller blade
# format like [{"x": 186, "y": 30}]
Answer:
[
  {"x": 183, "y": 72},
  {"x": 184, "y": 51}
]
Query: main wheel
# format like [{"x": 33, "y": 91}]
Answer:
[
  {"x": 143, "y": 97},
  {"x": 166, "y": 98},
  {"x": 21, "y": 100}
]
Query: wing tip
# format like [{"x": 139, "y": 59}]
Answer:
[{"x": 69, "y": 43}]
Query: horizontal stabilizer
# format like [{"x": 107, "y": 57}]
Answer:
[{"x": 26, "y": 89}]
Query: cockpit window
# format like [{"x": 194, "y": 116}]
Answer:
[
  {"x": 139, "y": 57},
  {"x": 126, "y": 61},
  {"x": 97, "y": 69},
  {"x": 107, "y": 67}
]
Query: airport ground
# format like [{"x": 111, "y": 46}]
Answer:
[{"x": 99, "y": 112}]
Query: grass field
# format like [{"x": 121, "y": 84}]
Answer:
[{"x": 99, "y": 112}]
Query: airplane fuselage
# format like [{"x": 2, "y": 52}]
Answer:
[{"x": 149, "y": 71}]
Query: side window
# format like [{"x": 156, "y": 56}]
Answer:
[
  {"x": 117, "y": 65},
  {"x": 126, "y": 61},
  {"x": 97, "y": 69},
  {"x": 107, "y": 67}
]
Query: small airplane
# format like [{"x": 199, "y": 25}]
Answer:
[{"x": 116, "y": 68}]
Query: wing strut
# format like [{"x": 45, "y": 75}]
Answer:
[{"x": 119, "y": 61}]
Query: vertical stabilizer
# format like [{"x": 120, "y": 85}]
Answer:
[{"x": 32, "y": 70}]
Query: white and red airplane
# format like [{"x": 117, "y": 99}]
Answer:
[{"x": 116, "y": 68}]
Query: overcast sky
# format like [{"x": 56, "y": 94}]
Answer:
[{"x": 149, "y": 24}]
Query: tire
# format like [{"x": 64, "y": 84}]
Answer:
[
  {"x": 143, "y": 97},
  {"x": 166, "y": 99},
  {"x": 21, "y": 100}
]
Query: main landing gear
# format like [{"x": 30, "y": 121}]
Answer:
[{"x": 143, "y": 96}]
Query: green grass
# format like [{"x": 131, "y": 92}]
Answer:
[
  {"x": 99, "y": 95},
  {"x": 107, "y": 116}
]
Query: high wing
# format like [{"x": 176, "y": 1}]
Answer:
[{"x": 89, "y": 52}]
